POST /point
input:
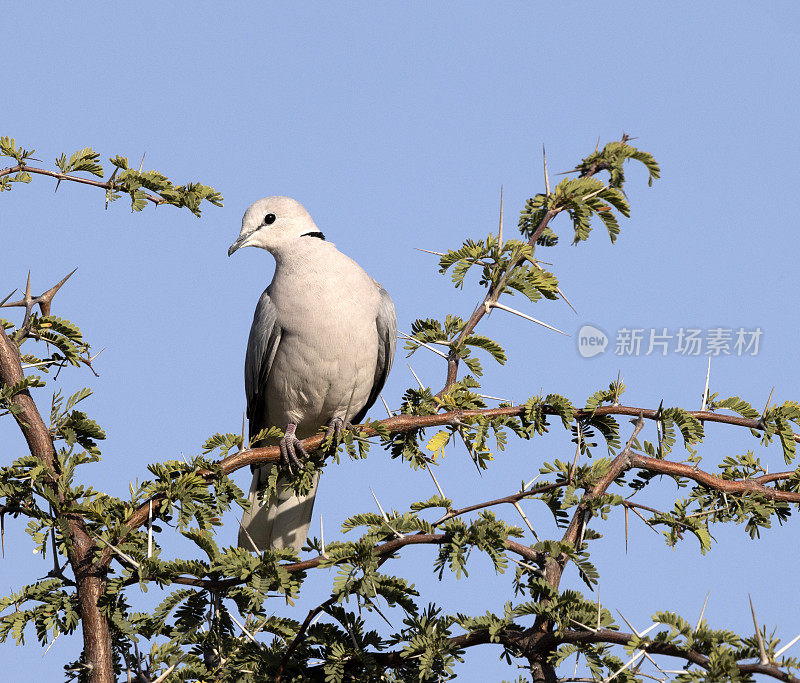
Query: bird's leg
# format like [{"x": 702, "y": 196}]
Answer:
[
  {"x": 335, "y": 428},
  {"x": 290, "y": 445}
]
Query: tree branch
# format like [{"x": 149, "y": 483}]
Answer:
[
  {"x": 80, "y": 546},
  {"x": 528, "y": 641},
  {"x": 383, "y": 550},
  {"x": 495, "y": 291},
  {"x": 106, "y": 185},
  {"x": 482, "y": 308},
  {"x": 735, "y": 486},
  {"x": 619, "y": 464},
  {"x": 408, "y": 423}
]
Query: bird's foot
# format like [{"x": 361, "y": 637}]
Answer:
[
  {"x": 335, "y": 428},
  {"x": 290, "y": 446}
]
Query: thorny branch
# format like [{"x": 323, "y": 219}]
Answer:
[
  {"x": 107, "y": 185},
  {"x": 537, "y": 641},
  {"x": 408, "y": 423},
  {"x": 495, "y": 291},
  {"x": 90, "y": 579},
  {"x": 529, "y": 641}
]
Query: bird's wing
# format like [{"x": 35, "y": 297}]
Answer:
[
  {"x": 265, "y": 335},
  {"x": 386, "y": 323}
]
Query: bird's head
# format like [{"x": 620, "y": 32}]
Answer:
[{"x": 273, "y": 223}]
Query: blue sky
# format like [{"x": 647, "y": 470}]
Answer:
[{"x": 395, "y": 125}]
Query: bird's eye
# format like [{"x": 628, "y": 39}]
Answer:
[{"x": 269, "y": 219}]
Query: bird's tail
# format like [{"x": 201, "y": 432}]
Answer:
[{"x": 281, "y": 521}]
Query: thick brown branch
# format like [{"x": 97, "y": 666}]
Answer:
[
  {"x": 734, "y": 486},
  {"x": 90, "y": 583},
  {"x": 619, "y": 464},
  {"x": 530, "y": 642},
  {"x": 670, "y": 650},
  {"x": 408, "y": 423},
  {"x": 554, "y": 566}
]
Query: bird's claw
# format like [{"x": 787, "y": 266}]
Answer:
[
  {"x": 290, "y": 445},
  {"x": 335, "y": 428}
]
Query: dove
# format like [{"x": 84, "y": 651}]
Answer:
[{"x": 320, "y": 349}]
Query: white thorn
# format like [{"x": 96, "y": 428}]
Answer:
[
  {"x": 705, "y": 391},
  {"x": 124, "y": 556},
  {"x": 244, "y": 424},
  {"x": 641, "y": 635},
  {"x": 383, "y": 514},
  {"x": 702, "y": 612},
  {"x": 25, "y": 366},
  {"x": 526, "y": 565},
  {"x": 563, "y": 296},
  {"x": 433, "y": 476},
  {"x": 632, "y": 660},
  {"x": 503, "y": 307},
  {"x": 496, "y": 398},
  {"x": 787, "y": 646},
  {"x": 470, "y": 452},
  {"x": 546, "y": 174},
  {"x": 403, "y": 335},
  {"x": 91, "y": 359},
  {"x": 588, "y": 628},
  {"x": 764, "y": 414},
  {"x": 141, "y": 164},
  {"x": 531, "y": 482},
  {"x": 163, "y": 676},
  {"x": 421, "y": 385},
  {"x": 525, "y": 518},
  {"x": 762, "y": 652},
  {"x": 52, "y": 642},
  {"x": 385, "y": 405},
  {"x": 150, "y": 530},
  {"x": 377, "y": 502},
  {"x": 322, "y": 537},
  {"x": 630, "y": 626},
  {"x": 598, "y": 606},
  {"x": 244, "y": 630},
  {"x": 500, "y": 230},
  {"x": 595, "y": 193},
  {"x": 249, "y": 537},
  {"x": 647, "y": 630},
  {"x": 428, "y": 251}
]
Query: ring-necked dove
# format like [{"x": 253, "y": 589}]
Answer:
[{"x": 320, "y": 348}]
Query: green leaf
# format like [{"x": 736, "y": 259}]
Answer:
[{"x": 437, "y": 443}]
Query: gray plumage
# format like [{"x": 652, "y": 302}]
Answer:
[{"x": 320, "y": 348}]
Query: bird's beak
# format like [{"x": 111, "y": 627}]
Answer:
[{"x": 237, "y": 244}]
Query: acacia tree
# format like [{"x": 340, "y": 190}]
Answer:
[{"x": 215, "y": 623}]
